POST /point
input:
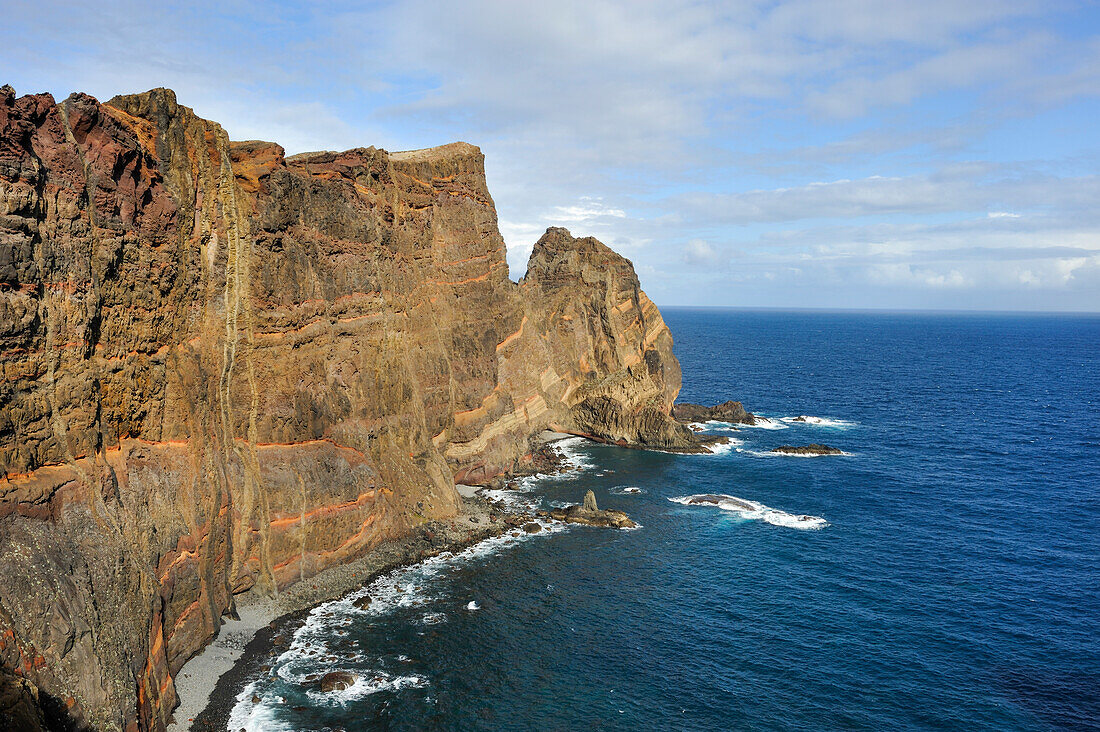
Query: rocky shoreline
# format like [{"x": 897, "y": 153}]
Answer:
[
  {"x": 209, "y": 683},
  {"x": 271, "y": 623}
]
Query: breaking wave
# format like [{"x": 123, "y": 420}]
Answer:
[
  {"x": 319, "y": 645},
  {"x": 770, "y": 454},
  {"x": 723, "y": 448},
  {"x": 766, "y": 423},
  {"x": 819, "y": 421},
  {"x": 626, "y": 490},
  {"x": 752, "y": 510}
]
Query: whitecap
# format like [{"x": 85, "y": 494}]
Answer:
[
  {"x": 255, "y": 717},
  {"x": 433, "y": 618},
  {"x": 472, "y": 605},
  {"x": 771, "y": 454},
  {"x": 752, "y": 510},
  {"x": 766, "y": 423},
  {"x": 720, "y": 448},
  {"x": 626, "y": 490},
  {"x": 367, "y": 682},
  {"x": 400, "y": 588},
  {"x": 819, "y": 421},
  {"x": 578, "y": 460}
]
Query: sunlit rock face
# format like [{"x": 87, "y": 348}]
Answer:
[{"x": 225, "y": 369}]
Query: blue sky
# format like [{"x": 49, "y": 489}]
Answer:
[{"x": 826, "y": 153}]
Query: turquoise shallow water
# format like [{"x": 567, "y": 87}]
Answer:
[{"x": 956, "y": 584}]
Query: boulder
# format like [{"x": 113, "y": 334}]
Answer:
[{"x": 337, "y": 681}]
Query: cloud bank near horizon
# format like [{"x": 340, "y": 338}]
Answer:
[{"x": 825, "y": 153}]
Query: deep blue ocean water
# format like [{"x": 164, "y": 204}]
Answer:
[{"x": 956, "y": 585}]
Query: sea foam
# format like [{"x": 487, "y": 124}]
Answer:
[
  {"x": 310, "y": 651},
  {"x": 752, "y": 510},
  {"x": 818, "y": 421}
]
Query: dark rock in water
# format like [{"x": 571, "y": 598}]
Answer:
[
  {"x": 715, "y": 499},
  {"x": 799, "y": 419},
  {"x": 812, "y": 449},
  {"x": 363, "y": 602},
  {"x": 729, "y": 411},
  {"x": 533, "y": 527},
  {"x": 337, "y": 680},
  {"x": 591, "y": 515}
]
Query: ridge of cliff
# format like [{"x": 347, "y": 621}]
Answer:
[{"x": 226, "y": 369}]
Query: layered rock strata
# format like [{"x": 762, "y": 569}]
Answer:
[{"x": 225, "y": 370}]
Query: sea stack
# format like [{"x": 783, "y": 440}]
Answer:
[{"x": 588, "y": 513}]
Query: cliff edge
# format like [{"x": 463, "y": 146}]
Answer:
[{"x": 225, "y": 370}]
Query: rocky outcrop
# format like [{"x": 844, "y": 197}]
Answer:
[
  {"x": 811, "y": 449},
  {"x": 729, "y": 411},
  {"x": 606, "y": 342},
  {"x": 590, "y": 514},
  {"x": 225, "y": 370},
  {"x": 337, "y": 681}
]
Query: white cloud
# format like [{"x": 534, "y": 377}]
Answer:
[
  {"x": 699, "y": 252},
  {"x": 827, "y": 136}
]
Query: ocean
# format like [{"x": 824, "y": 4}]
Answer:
[{"x": 947, "y": 575}]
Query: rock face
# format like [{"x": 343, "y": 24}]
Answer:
[
  {"x": 225, "y": 370},
  {"x": 733, "y": 412},
  {"x": 811, "y": 449}
]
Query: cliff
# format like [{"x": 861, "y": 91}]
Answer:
[{"x": 225, "y": 369}]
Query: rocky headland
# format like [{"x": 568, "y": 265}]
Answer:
[{"x": 227, "y": 372}]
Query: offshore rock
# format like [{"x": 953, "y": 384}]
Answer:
[
  {"x": 729, "y": 411},
  {"x": 811, "y": 449},
  {"x": 223, "y": 370},
  {"x": 337, "y": 681},
  {"x": 608, "y": 517}
]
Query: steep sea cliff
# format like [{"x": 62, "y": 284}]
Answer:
[{"x": 226, "y": 370}]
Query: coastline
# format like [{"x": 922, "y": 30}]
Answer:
[{"x": 208, "y": 684}]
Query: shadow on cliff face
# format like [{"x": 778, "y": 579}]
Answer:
[{"x": 23, "y": 707}]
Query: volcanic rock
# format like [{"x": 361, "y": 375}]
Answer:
[
  {"x": 811, "y": 449},
  {"x": 337, "y": 681},
  {"x": 729, "y": 411},
  {"x": 589, "y": 514},
  {"x": 226, "y": 370}
]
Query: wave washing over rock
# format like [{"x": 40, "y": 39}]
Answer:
[
  {"x": 226, "y": 370},
  {"x": 752, "y": 510},
  {"x": 322, "y": 637}
]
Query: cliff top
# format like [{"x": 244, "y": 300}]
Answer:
[{"x": 453, "y": 149}]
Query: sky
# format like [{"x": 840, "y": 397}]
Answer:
[{"x": 791, "y": 153}]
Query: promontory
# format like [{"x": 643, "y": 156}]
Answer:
[{"x": 226, "y": 369}]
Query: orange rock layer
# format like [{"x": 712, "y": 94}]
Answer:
[{"x": 223, "y": 370}]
